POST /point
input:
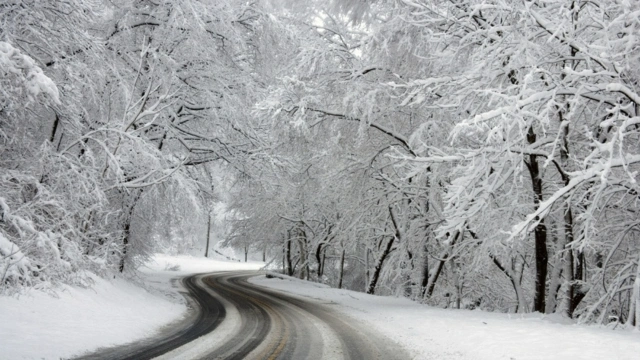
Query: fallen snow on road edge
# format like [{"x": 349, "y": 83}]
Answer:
[{"x": 433, "y": 333}]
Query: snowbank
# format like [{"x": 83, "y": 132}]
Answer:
[
  {"x": 432, "y": 333},
  {"x": 39, "y": 326},
  {"x": 112, "y": 312}
]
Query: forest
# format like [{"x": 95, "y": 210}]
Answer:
[{"x": 461, "y": 153}]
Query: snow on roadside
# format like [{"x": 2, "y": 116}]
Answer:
[
  {"x": 433, "y": 333},
  {"x": 36, "y": 325}
]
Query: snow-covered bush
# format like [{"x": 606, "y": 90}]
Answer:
[{"x": 47, "y": 200}]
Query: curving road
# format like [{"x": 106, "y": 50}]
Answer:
[{"x": 239, "y": 320}]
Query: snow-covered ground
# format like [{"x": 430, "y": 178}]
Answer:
[
  {"x": 432, "y": 333},
  {"x": 37, "y": 325}
]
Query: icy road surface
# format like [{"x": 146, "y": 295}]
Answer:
[{"x": 239, "y": 320}]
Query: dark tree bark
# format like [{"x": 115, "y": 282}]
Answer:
[
  {"x": 424, "y": 275},
  {"x": 287, "y": 255},
  {"x": 378, "y": 267},
  {"x": 433, "y": 277},
  {"x": 319, "y": 260},
  {"x": 284, "y": 262},
  {"x": 341, "y": 269},
  {"x": 540, "y": 232},
  {"x": 321, "y": 251},
  {"x": 304, "y": 261},
  {"x": 126, "y": 229},
  {"x": 375, "y": 276},
  {"x": 125, "y": 246},
  {"x": 54, "y": 129},
  {"x": 206, "y": 251}
]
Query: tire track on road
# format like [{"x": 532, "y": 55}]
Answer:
[
  {"x": 209, "y": 313},
  {"x": 262, "y": 324}
]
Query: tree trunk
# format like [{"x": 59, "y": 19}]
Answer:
[
  {"x": 284, "y": 263},
  {"x": 424, "y": 274},
  {"x": 575, "y": 267},
  {"x": 408, "y": 283},
  {"x": 304, "y": 262},
  {"x": 376, "y": 270},
  {"x": 321, "y": 250},
  {"x": 206, "y": 251},
  {"x": 540, "y": 233},
  {"x": 517, "y": 288},
  {"x": 575, "y": 263},
  {"x": 366, "y": 266},
  {"x": 634, "y": 302},
  {"x": 319, "y": 260},
  {"x": 433, "y": 278},
  {"x": 555, "y": 281},
  {"x": 127, "y": 229},
  {"x": 406, "y": 266},
  {"x": 457, "y": 283},
  {"x": 579, "y": 292},
  {"x": 287, "y": 255},
  {"x": 125, "y": 246},
  {"x": 341, "y": 269}
]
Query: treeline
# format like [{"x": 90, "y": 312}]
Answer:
[
  {"x": 114, "y": 119},
  {"x": 460, "y": 153}
]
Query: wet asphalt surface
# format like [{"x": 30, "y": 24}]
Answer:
[{"x": 273, "y": 325}]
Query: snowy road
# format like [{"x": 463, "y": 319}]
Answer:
[{"x": 239, "y": 320}]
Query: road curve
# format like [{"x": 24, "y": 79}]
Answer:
[{"x": 239, "y": 320}]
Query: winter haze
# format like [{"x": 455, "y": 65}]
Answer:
[{"x": 453, "y": 179}]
